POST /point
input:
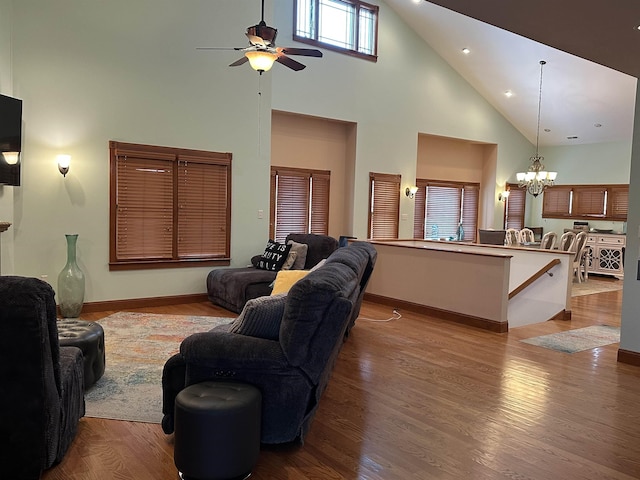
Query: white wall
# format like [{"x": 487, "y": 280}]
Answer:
[
  {"x": 630, "y": 330},
  {"x": 90, "y": 72},
  {"x": 6, "y": 88}
]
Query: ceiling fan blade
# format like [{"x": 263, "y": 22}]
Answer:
[
  {"x": 289, "y": 62},
  {"x": 307, "y": 52},
  {"x": 240, "y": 61},
  {"x": 256, "y": 41},
  {"x": 221, "y": 48}
]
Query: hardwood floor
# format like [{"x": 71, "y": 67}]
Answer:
[{"x": 420, "y": 398}]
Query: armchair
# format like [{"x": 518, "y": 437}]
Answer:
[{"x": 42, "y": 384}]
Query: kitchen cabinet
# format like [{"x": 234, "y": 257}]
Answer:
[{"x": 605, "y": 254}]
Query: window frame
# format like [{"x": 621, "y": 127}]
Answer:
[
  {"x": 358, "y": 5},
  {"x": 575, "y": 202},
  {"x": 315, "y": 204},
  {"x": 175, "y": 156}
]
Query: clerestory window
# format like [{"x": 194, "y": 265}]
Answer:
[{"x": 346, "y": 26}]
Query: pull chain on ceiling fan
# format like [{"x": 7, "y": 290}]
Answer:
[{"x": 262, "y": 51}]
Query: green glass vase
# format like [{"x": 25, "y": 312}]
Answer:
[{"x": 71, "y": 282}]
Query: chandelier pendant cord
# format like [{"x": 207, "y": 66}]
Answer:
[{"x": 542, "y": 63}]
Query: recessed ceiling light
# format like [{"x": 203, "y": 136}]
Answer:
[
  {"x": 637, "y": 27},
  {"x": 573, "y": 137},
  {"x": 508, "y": 94},
  {"x": 547, "y": 130},
  {"x": 417, "y": 1},
  {"x": 466, "y": 51},
  {"x": 597, "y": 125}
]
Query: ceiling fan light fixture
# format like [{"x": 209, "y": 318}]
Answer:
[{"x": 261, "y": 61}]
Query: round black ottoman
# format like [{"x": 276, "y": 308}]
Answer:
[
  {"x": 88, "y": 337},
  {"x": 217, "y": 430}
]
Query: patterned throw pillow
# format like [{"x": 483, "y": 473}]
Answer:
[
  {"x": 261, "y": 317},
  {"x": 274, "y": 256}
]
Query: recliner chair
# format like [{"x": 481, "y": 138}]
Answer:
[{"x": 42, "y": 383}]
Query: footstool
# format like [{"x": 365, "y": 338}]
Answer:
[
  {"x": 217, "y": 430},
  {"x": 88, "y": 337}
]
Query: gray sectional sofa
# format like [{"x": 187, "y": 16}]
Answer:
[
  {"x": 231, "y": 288},
  {"x": 292, "y": 364}
]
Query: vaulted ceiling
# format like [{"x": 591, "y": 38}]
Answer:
[{"x": 592, "y": 50}]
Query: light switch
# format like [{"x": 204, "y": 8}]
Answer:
[
  {"x": 404, "y": 216},
  {"x": 260, "y": 213}
]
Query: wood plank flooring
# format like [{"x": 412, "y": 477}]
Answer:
[{"x": 420, "y": 398}]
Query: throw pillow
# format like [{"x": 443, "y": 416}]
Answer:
[
  {"x": 274, "y": 256},
  {"x": 288, "y": 263},
  {"x": 260, "y": 317},
  {"x": 301, "y": 254},
  {"x": 285, "y": 280}
]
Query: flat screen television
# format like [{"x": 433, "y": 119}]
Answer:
[{"x": 10, "y": 137}]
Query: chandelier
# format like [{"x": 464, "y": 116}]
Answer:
[{"x": 536, "y": 179}]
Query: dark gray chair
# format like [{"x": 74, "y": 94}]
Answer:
[
  {"x": 491, "y": 237},
  {"x": 42, "y": 383}
]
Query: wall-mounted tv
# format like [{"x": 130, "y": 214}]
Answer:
[{"x": 10, "y": 137}]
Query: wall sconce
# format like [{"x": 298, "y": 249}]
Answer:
[
  {"x": 411, "y": 191},
  {"x": 502, "y": 196},
  {"x": 12, "y": 158},
  {"x": 63, "y": 164}
]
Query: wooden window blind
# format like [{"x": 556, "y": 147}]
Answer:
[
  {"x": 556, "y": 202},
  {"x": 589, "y": 201},
  {"x": 618, "y": 202},
  {"x": 168, "y": 206},
  {"x": 384, "y": 205},
  {"x": 446, "y": 205},
  {"x": 202, "y": 208},
  {"x": 420, "y": 200},
  {"x": 299, "y": 202},
  {"x": 470, "y": 200},
  {"x": 601, "y": 202},
  {"x": 514, "y": 208}
]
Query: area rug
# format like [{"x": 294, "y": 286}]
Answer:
[
  {"x": 137, "y": 345},
  {"x": 594, "y": 285},
  {"x": 577, "y": 340}
]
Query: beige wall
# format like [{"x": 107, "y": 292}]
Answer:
[
  {"x": 316, "y": 143},
  {"x": 444, "y": 158}
]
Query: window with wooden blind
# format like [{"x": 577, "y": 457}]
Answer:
[
  {"x": 384, "y": 205},
  {"x": 168, "y": 207},
  {"x": 514, "y": 207},
  {"x": 600, "y": 202},
  {"x": 299, "y": 202},
  {"x": 441, "y": 206}
]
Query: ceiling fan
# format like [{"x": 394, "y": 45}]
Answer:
[{"x": 262, "y": 51}]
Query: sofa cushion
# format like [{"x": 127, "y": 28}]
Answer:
[
  {"x": 274, "y": 256},
  {"x": 285, "y": 280},
  {"x": 260, "y": 317},
  {"x": 300, "y": 251},
  {"x": 320, "y": 246}
]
